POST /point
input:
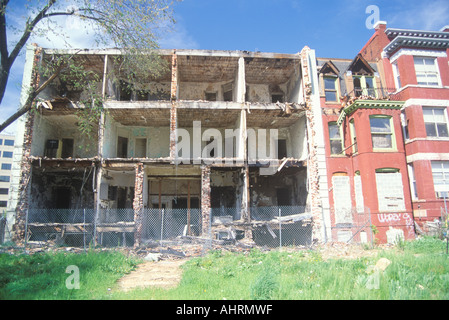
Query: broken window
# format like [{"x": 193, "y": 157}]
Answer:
[
  {"x": 142, "y": 95},
  {"x": 51, "y": 148},
  {"x": 335, "y": 137},
  {"x": 122, "y": 147},
  {"x": 141, "y": 148},
  {"x": 67, "y": 148},
  {"x": 227, "y": 92},
  {"x": 125, "y": 91},
  {"x": 282, "y": 148},
  {"x": 277, "y": 98},
  {"x": 364, "y": 85},
  {"x": 211, "y": 96},
  {"x": 121, "y": 197}
]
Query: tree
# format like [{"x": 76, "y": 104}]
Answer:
[{"x": 133, "y": 26}]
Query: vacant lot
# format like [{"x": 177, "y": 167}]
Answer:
[{"x": 412, "y": 270}]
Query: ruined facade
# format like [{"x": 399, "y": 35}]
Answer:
[
  {"x": 235, "y": 145},
  {"x": 210, "y": 144}
]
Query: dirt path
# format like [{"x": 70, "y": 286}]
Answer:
[
  {"x": 166, "y": 273},
  {"x": 162, "y": 274}
]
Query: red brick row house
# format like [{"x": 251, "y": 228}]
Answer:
[{"x": 385, "y": 123}]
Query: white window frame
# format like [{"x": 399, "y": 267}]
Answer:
[
  {"x": 335, "y": 89},
  {"x": 391, "y": 133},
  {"x": 440, "y": 167},
  {"x": 341, "y": 138},
  {"x": 426, "y": 70},
  {"x": 364, "y": 90},
  {"x": 396, "y": 75},
  {"x": 434, "y": 122}
]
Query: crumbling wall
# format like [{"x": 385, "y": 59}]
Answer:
[
  {"x": 24, "y": 181},
  {"x": 205, "y": 200},
  {"x": 45, "y": 183},
  {"x": 138, "y": 204},
  {"x": 56, "y": 128}
]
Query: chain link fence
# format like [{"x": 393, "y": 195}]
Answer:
[
  {"x": 352, "y": 225},
  {"x": 273, "y": 226}
]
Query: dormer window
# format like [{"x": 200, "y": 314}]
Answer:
[{"x": 330, "y": 81}]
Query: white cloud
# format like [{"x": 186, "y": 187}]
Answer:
[
  {"x": 428, "y": 15},
  {"x": 179, "y": 38}
]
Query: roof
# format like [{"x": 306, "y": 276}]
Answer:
[{"x": 415, "y": 39}]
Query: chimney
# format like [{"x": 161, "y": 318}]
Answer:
[{"x": 380, "y": 26}]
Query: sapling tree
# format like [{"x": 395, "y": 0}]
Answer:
[{"x": 132, "y": 26}]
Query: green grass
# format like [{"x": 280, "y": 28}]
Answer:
[
  {"x": 418, "y": 270},
  {"x": 43, "y": 275}
]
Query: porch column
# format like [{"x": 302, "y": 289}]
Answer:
[
  {"x": 246, "y": 214},
  {"x": 138, "y": 204},
  {"x": 205, "y": 200}
]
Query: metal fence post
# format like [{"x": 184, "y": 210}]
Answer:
[
  {"x": 26, "y": 229},
  {"x": 280, "y": 230},
  {"x": 162, "y": 224},
  {"x": 84, "y": 229}
]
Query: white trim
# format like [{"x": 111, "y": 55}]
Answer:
[
  {"x": 426, "y": 103},
  {"x": 418, "y": 52},
  {"x": 427, "y": 157}
]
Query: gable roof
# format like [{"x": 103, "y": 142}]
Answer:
[
  {"x": 329, "y": 68},
  {"x": 360, "y": 66}
]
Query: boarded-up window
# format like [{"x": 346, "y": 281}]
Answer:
[
  {"x": 390, "y": 191},
  {"x": 342, "y": 198}
]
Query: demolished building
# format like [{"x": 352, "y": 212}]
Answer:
[{"x": 223, "y": 144}]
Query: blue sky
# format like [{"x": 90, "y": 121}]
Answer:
[{"x": 334, "y": 29}]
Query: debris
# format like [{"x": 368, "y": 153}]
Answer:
[
  {"x": 382, "y": 264},
  {"x": 170, "y": 251},
  {"x": 153, "y": 256}
]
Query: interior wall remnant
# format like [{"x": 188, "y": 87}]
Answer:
[
  {"x": 25, "y": 180},
  {"x": 69, "y": 189},
  {"x": 287, "y": 187}
]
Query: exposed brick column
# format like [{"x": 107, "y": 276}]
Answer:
[
  {"x": 25, "y": 181},
  {"x": 25, "y": 164},
  {"x": 246, "y": 214},
  {"x": 205, "y": 200},
  {"x": 138, "y": 204},
  {"x": 312, "y": 161},
  {"x": 173, "y": 110}
]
